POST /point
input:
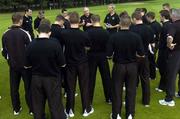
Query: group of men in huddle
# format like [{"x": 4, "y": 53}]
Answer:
[{"x": 63, "y": 53}]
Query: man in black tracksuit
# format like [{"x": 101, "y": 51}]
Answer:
[
  {"x": 143, "y": 69},
  {"x": 57, "y": 28},
  {"x": 38, "y": 19},
  {"x": 14, "y": 42},
  {"x": 125, "y": 46},
  {"x": 27, "y": 22},
  {"x": 163, "y": 50},
  {"x": 76, "y": 45},
  {"x": 97, "y": 58},
  {"x": 45, "y": 57},
  {"x": 173, "y": 62},
  {"x": 156, "y": 28}
]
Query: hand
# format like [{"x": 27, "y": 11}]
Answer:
[
  {"x": 109, "y": 26},
  {"x": 88, "y": 24},
  {"x": 170, "y": 43},
  {"x": 171, "y": 46},
  {"x": 83, "y": 23}
]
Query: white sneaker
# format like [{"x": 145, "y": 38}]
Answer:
[
  {"x": 163, "y": 102},
  {"x": 124, "y": 103},
  {"x": 158, "y": 90},
  {"x": 65, "y": 95},
  {"x": 76, "y": 94},
  {"x": 130, "y": 117},
  {"x": 67, "y": 115},
  {"x": 85, "y": 114},
  {"x": 31, "y": 113},
  {"x": 0, "y": 97},
  {"x": 118, "y": 117},
  {"x": 146, "y": 105},
  {"x": 17, "y": 113},
  {"x": 124, "y": 88},
  {"x": 177, "y": 95},
  {"x": 71, "y": 114}
]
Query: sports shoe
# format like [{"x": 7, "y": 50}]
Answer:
[
  {"x": 158, "y": 90},
  {"x": 118, "y": 117},
  {"x": 17, "y": 113},
  {"x": 109, "y": 102},
  {"x": 124, "y": 88},
  {"x": 170, "y": 103},
  {"x": 146, "y": 105},
  {"x": 71, "y": 113},
  {"x": 65, "y": 95},
  {"x": 0, "y": 97},
  {"x": 85, "y": 114},
  {"x": 76, "y": 94},
  {"x": 124, "y": 102},
  {"x": 31, "y": 113},
  {"x": 130, "y": 117},
  {"x": 177, "y": 95}
]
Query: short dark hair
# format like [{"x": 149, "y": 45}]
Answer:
[
  {"x": 124, "y": 13},
  {"x": 151, "y": 15},
  {"x": 45, "y": 26},
  {"x": 63, "y": 10},
  {"x": 144, "y": 10},
  {"x": 16, "y": 17},
  {"x": 137, "y": 15},
  {"x": 59, "y": 18},
  {"x": 166, "y": 4},
  {"x": 165, "y": 14},
  {"x": 125, "y": 21},
  {"x": 95, "y": 18},
  {"x": 138, "y": 10},
  {"x": 74, "y": 18}
]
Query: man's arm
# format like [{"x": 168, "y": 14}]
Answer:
[
  {"x": 4, "y": 49},
  {"x": 140, "y": 48},
  {"x": 110, "y": 48}
]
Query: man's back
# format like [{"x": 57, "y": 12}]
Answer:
[
  {"x": 45, "y": 56},
  {"x": 99, "y": 38},
  {"x": 145, "y": 33},
  {"x": 125, "y": 45},
  {"x": 75, "y": 43},
  {"x": 14, "y": 43}
]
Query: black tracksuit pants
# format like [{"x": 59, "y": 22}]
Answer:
[
  {"x": 152, "y": 65},
  {"x": 173, "y": 67},
  {"x": 80, "y": 72},
  {"x": 143, "y": 75},
  {"x": 99, "y": 61},
  {"x": 124, "y": 73},
  {"x": 15, "y": 78},
  {"x": 162, "y": 65},
  {"x": 47, "y": 88}
]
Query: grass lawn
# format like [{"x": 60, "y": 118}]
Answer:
[{"x": 102, "y": 110}]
